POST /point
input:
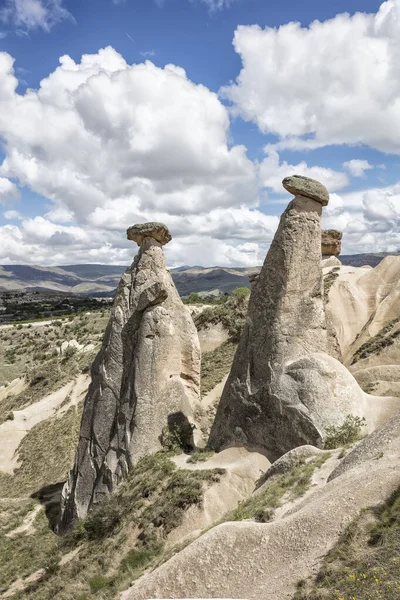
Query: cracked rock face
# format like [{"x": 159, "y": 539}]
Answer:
[
  {"x": 146, "y": 373},
  {"x": 263, "y": 405}
]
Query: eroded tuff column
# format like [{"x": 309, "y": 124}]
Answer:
[
  {"x": 331, "y": 243},
  {"x": 146, "y": 373},
  {"x": 262, "y": 406}
]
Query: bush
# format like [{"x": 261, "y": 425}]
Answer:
[
  {"x": 99, "y": 582},
  {"x": 347, "y": 433}
]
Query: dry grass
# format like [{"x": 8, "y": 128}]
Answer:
[
  {"x": 386, "y": 337},
  {"x": 118, "y": 541},
  {"x": 293, "y": 484},
  {"x": 46, "y": 455},
  {"x": 365, "y": 564},
  {"x": 215, "y": 365},
  {"x": 24, "y": 348}
]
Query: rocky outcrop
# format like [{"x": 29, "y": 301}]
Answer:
[
  {"x": 331, "y": 243},
  {"x": 286, "y": 387},
  {"x": 262, "y": 405},
  {"x": 145, "y": 378}
]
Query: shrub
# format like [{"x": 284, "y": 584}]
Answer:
[
  {"x": 70, "y": 352},
  {"x": 349, "y": 432},
  {"x": 200, "y": 456},
  {"x": 99, "y": 582}
]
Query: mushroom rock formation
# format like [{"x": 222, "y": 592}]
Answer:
[
  {"x": 283, "y": 385},
  {"x": 331, "y": 242},
  {"x": 145, "y": 378}
]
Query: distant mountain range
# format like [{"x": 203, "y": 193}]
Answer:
[{"x": 102, "y": 280}]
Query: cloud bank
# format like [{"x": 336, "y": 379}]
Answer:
[{"x": 109, "y": 144}]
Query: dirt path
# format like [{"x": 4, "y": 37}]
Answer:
[{"x": 32, "y": 324}]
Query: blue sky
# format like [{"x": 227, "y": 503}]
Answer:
[{"x": 207, "y": 147}]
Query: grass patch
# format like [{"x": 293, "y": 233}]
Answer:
[
  {"x": 122, "y": 537},
  {"x": 200, "y": 456},
  {"x": 365, "y": 564},
  {"x": 261, "y": 506},
  {"x": 41, "y": 381},
  {"x": 25, "y": 554},
  {"x": 329, "y": 280},
  {"x": 215, "y": 365}
]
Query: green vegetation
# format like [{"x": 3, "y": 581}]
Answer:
[
  {"x": 195, "y": 298},
  {"x": 365, "y": 564},
  {"x": 25, "y": 306},
  {"x": 349, "y": 432},
  {"x": 23, "y": 555},
  {"x": 200, "y": 456},
  {"x": 215, "y": 365},
  {"x": 261, "y": 506},
  {"x": 386, "y": 337},
  {"x": 24, "y": 350},
  {"x": 231, "y": 314},
  {"x": 115, "y": 544}
]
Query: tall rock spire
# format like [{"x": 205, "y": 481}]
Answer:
[
  {"x": 145, "y": 377},
  {"x": 262, "y": 405}
]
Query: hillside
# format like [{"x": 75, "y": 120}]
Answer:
[
  {"x": 101, "y": 280},
  {"x": 190, "y": 519}
]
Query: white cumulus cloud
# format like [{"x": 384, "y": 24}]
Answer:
[
  {"x": 272, "y": 171},
  {"x": 357, "y": 167},
  {"x": 111, "y": 144},
  {"x": 8, "y": 190},
  {"x": 34, "y": 14},
  {"x": 334, "y": 82}
]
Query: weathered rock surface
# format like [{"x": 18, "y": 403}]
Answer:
[
  {"x": 286, "y": 387},
  {"x": 262, "y": 404},
  {"x": 331, "y": 242},
  {"x": 266, "y": 560},
  {"x": 146, "y": 377},
  {"x": 361, "y": 302},
  {"x": 299, "y": 185},
  {"x": 157, "y": 231},
  {"x": 330, "y": 261},
  {"x": 291, "y": 459}
]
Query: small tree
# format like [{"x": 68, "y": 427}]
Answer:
[
  {"x": 349, "y": 432},
  {"x": 194, "y": 298}
]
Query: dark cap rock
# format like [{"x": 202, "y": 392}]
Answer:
[
  {"x": 305, "y": 186},
  {"x": 158, "y": 231}
]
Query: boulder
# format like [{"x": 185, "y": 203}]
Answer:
[
  {"x": 330, "y": 261},
  {"x": 146, "y": 378},
  {"x": 331, "y": 243},
  {"x": 158, "y": 231},
  {"x": 299, "y": 185}
]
